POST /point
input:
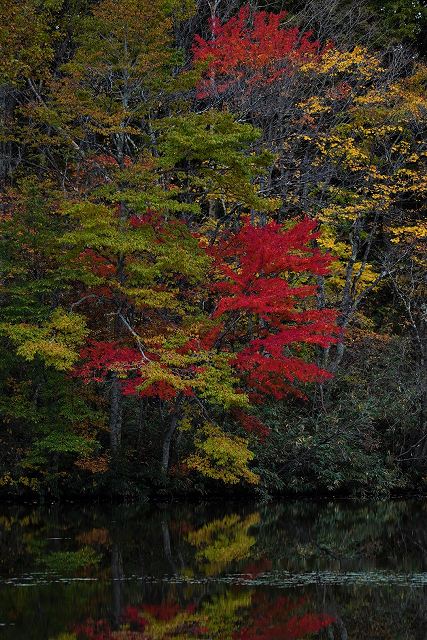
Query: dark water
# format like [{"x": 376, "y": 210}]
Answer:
[{"x": 276, "y": 571}]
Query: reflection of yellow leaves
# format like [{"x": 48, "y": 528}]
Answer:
[
  {"x": 223, "y": 541},
  {"x": 223, "y": 613},
  {"x": 156, "y": 629}
]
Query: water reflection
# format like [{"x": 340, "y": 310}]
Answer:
[{"x": 276, "y": 571}]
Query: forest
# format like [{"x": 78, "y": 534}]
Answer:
[{"x": 212, "y": 248}]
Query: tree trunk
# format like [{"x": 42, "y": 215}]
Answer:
[
  {"x": 422, "y": 381},
  {"x": 167, "y": 441},
  {"x": 117, "y": 585},
  {"x": 116, "y": 411},
  {"x": 140, "y": 422}
]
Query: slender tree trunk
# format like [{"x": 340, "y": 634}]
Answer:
[
  {"x": 117, "y": 583},
  {"x": 167, "y": 440},
  {"x": 140, "y": 423},
  {"x": 116, "y": 412},
  {"x": 422, "y": 377}
]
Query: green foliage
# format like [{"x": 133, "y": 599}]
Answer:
[
  {"x": 70, "y": 562},
  {"x": 211, "y": 150},
  {"x": 353, "y": 442},
  {"x": 401, "y": 19},
  {"x": 25, "y": 53}
]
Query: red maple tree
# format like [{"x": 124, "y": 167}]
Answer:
[
  {"x": 267, "y": 303},
  {"x": 254, "y": 47}
]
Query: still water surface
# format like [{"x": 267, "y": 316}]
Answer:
[{"x": 225, "y": 572}]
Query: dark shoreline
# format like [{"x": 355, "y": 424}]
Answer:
[{"x": 213, "y": 498}]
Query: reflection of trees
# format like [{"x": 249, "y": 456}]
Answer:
[
  {"x": 237, "y": 615},
  {"x": 281, "y": 619},
  {"x": 223, "y": 613},
  {"x": 168, "y": 550},
  {"x": 342, "y": 536},
  {"x": 222, "y": 542}
]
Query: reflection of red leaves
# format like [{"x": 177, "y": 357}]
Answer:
[
  {"x": 162, "y": 611},
  {"x": 307, "y": 624},
  {"x": 134, "y": 617},
  {"x": 94, "y": 630},
  {"x": 295, "y": 628},
  {"x": 271, "y": 621}
]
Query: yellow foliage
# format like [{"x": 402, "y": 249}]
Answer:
[
  {"x": 56, "y": 341},
  {"x": 335, "y": 61},
  {"x": 314, "y": 106},
  {"x": 222, "y": 457}
]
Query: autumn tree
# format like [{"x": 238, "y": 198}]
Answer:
[
  {"x": 354, "y": 176},
  {"x": 179, "y": 217}
]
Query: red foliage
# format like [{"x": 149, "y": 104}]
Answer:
[
  {"x": 150, "y": 217},
  {"x": 257, "y": 265},
  {"x": 98, "y": 359},
  {"x": 251, "y": 424},
  {"x": 161, "y": 389},
  {"x": 265, "y": 315},
  {"x": 105, "y": 161},
  {"x": 253, "y": 47},
  {"x": 256, "y": 568},
  {"x": 98, "y": 264}
]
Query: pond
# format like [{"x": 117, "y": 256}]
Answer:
[{"x": 270, "y": 571}]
